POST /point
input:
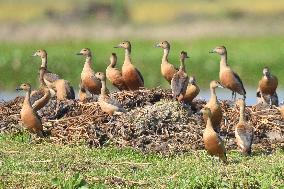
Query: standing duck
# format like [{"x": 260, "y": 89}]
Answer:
[
  {"x": 28, "y": 116},
  {"x": 192, "y": 90},
  {"x": 114, "y": 75},
  {"x": 228, "y": 78},
  {"x": 214, "y": 106},
  {"x": 268, "y": 85},
  {"x": 107, "y": 104},
  {"x": 131, "y": 75},
  {"x": 212, "y": 141},
  {"x": 51, "y": 79},
  {"x": 88, "y": 79},
  {"x": 180, "y": 79},
  {"x": 243, "y": 130},
  {"x": 167, "y": 69}
]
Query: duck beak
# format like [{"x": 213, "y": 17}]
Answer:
[
  {"x": 79, "y": 53},
  {"x": 18, "y": 89},
  {"x": 212, "y": 51},
  {"x": 118, "y": 46},
  {"x": 157, "y": 45}
]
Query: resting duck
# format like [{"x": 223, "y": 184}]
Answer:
[
  {"x": 180, "y": 80},
  {"x": 107, "y": 104},
  {"x": 131, "y": 75},
  {"x": 214, "y": 106},
  {"x": 192, "y": 90},
  {"x": 167, "y": 69},
  {"x": 212, "y": 141},
  {"x": 243, "y": 130},
  {"x": 228, "y": 78},
  {"x": 51, "y": 79},
  {"x": 28, "y": 116},
  {"x": 114, "y": 75},
  {"x": 88, "y": 79}
]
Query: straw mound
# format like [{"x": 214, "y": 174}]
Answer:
[{"x": 154, "y": 122}]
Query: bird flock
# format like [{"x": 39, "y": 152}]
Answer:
[{"x": 184, "y": 90}]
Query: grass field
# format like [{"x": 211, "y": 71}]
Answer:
[
  {"x": 246, "y": 55},
  {"x": 43, "y": 165}
]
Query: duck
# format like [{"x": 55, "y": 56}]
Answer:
[
  {"x": 180, "y": 79},
  {"x": 243, "y": 130},
  {"x": 267, "y": 85},
  {"x": 107, "y": 104},
  {"x": 114, "y": 75},
  {"x": 51, "y": 79},
  {"x": 192, "y": 90},
  {"x": 29, "y": 117},
  {"x": 212, "y": 141},
  {"x": 167, "y": 69},
  {"x": 88, "y": 79},
  {"x": 214, "y": 106},
  {"x": 228, "y": 78},
  {"x": 131, "y": 75},
  {"x": 41, "y": 96}
]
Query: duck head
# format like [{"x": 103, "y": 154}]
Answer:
[
  {"x": 163, "y": 44},
  {"x": 124, "y": 45},
  {"x": 221, "y": 50},
  {"x": 41, "y": 53},
  {"x": 85, "y": 52},
  {"x": 24, "y": 86}
]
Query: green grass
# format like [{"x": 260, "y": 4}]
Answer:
[
  {"x": 247, "y": 56},
  {"x": 24, "y": 165}
]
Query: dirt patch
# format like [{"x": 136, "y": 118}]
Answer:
[{"x": 153, "y": 123}]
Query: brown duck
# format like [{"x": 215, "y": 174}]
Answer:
[
  {"x": 167, "y": 69},
  {"x": 107, "y": 104},
  {"x": 228, "y": 78},
  {"x": 88, "y": 79},
  {"x": 28, "y": 116},
  {"x": 131, "y": 75},
  {"x": 114, "y": 75},
  {"x": 192, "y": 90},
  {"x": 51, "y": 79},
  {"x": 214, "y": 106},
  {"x": 212, "y": 141},
  {"x": 180, "y": 79},
  {"x": 243, "y": 130},
  {"x": 268, "y": 85}
]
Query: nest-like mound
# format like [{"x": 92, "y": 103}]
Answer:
[{"x": 153, "y": 122}]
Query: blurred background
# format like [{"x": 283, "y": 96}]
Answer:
[{"x": 251, "y": 30}]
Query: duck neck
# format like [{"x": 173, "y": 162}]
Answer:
[
  {"x": 209, "y": 123},
  {"x": 41, "y": 80},
  {"x": 103, "y": 89},
  {"x": 88, "y": 62},
  {"x": 223, "y": 62},
  {"x": 44, "y": 62},
  {"x": 213, "y": 94},
  {"x": 112, "y": 63},
  {"x": 242, "y": 114},
  {"x": 127, "y": 56},
  {"x": 27, "y": 98},
  {"x": 165, "y": 55},
  {"x": 182, "y": 66}
]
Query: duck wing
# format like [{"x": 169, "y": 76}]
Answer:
[
  {"x": 240, "y": 81},
  {"x": 140, "y": 75},
  {"x": 51, "y": 77},
  {"x": 178, "y": 84}
]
